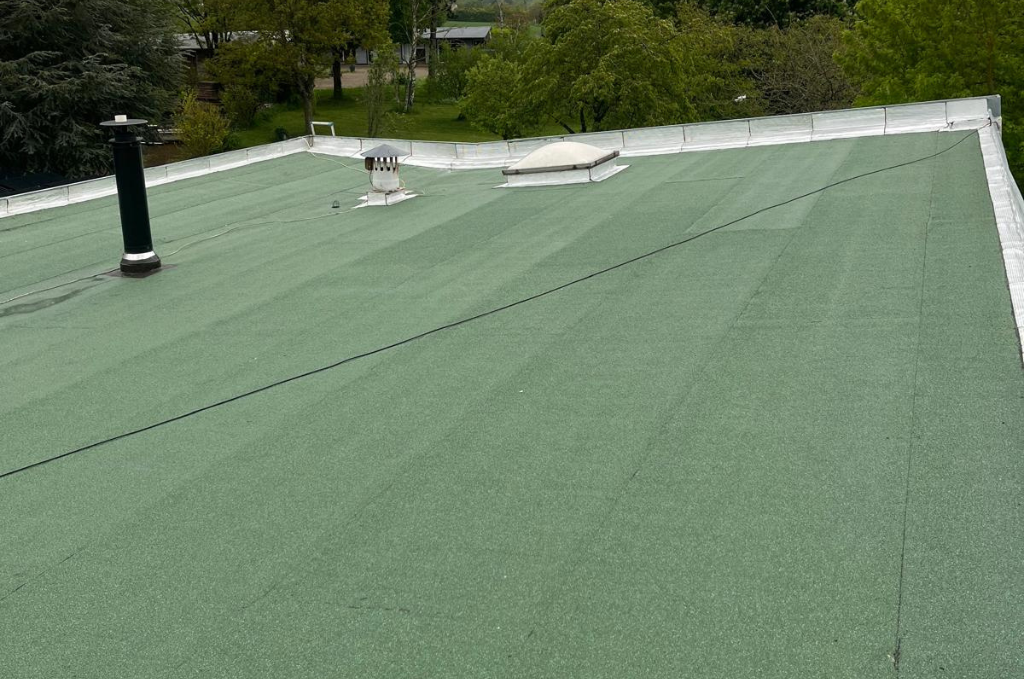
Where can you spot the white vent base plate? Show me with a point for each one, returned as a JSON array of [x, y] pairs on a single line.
[[375, 199]]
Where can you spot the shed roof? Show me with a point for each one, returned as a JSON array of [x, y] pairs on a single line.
[[462, 32]]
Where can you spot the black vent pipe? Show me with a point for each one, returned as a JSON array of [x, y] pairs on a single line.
[[139, 257]]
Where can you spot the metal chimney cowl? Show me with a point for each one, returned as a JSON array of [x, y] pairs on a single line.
[[382, 164]]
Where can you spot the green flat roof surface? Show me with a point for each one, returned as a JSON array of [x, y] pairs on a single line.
[[769, 452]]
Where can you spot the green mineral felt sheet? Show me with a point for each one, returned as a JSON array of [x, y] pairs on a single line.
[[784, 449]]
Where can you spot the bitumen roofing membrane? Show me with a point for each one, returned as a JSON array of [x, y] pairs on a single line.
[[790, 447]]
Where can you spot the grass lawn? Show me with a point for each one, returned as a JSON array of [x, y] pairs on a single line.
[[428, 121]]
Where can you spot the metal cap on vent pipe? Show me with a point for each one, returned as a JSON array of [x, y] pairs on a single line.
[[139, 257]]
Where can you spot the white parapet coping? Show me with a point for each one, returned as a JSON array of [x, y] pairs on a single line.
[[956, 114], [155, 176], [940, 116], [1008, 206]]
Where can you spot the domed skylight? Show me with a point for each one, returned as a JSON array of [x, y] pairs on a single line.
[[564, 162]]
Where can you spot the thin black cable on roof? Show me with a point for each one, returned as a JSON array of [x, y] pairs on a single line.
[[476, 317]]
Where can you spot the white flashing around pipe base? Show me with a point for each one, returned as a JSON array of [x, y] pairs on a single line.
[[381, 199], [1008, 206], [129, 257]]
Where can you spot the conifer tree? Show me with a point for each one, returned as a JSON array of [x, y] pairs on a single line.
[[66, 65]]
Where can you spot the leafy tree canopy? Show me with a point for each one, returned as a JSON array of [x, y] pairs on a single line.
[[607, 64], [793, 67], [210, 22], [760, 13], [495, 101], [66, 65], [409, 20], [358, 23], [918, 50], [780, 13], [295, 39]]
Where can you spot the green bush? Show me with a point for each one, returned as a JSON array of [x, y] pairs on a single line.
[[202, 128], [241, 105], [476, 14], [250, 66], [380, 81], [496, 101], [452, 73]]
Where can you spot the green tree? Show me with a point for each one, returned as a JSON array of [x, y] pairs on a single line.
[[778, 13], [251, 75], [439, 11], [918, 50], [607, 64], [201, 127], [210, 22], [379, 81], [66, 65], [451, 75], [296, 36], [761, 13], [512, 44], [498, 100], [794, 69], [663, 9], [354, 24], [490, 106], [716, 79], [409, 20]]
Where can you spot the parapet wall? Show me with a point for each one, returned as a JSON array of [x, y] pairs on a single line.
[[954, 114]]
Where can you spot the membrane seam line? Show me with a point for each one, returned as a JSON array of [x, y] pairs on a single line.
[[476, 317]]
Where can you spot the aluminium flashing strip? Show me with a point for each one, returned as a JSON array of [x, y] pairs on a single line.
[[956, 114], [155, 176], [1008, 206], [952, 115]]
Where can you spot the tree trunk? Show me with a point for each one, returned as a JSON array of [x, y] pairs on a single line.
[[432, 55], [307, 90], [410, 84], [414, 27], [336, 74]]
